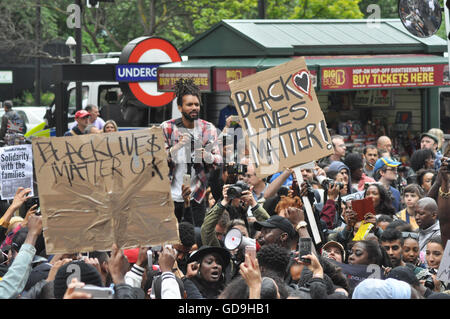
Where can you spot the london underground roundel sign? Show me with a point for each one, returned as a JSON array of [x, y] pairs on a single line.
[[138, 62]]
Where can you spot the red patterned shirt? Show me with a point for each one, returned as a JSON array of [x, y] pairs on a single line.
[[206, 133]]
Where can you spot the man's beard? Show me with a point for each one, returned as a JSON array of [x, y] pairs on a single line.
[[188, 117]]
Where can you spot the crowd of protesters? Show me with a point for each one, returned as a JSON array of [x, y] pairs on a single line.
[[240, 234]]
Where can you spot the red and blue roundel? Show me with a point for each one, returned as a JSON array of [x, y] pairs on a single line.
[[146, 51]]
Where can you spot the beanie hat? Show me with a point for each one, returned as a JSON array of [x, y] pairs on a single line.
[[86, 273], [131, 254]]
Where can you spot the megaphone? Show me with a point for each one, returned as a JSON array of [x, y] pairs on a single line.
[[234, 239]]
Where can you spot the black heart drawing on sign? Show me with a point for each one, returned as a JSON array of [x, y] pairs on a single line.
[[302, 81]]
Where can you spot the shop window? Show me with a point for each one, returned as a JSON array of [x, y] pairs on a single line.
[[350, 114]]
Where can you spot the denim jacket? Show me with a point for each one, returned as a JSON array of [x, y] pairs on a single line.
[[13, 283]]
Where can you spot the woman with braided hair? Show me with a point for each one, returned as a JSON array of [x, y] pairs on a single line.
[[191, 144]]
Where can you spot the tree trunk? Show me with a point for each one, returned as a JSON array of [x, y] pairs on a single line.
[[37, 70], [151, 29]]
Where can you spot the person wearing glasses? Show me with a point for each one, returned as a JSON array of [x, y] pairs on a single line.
[[339, 148], [385, 172], [258, 185], [411, 250]]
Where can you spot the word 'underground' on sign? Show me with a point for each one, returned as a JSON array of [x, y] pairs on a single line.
[[134, 73]]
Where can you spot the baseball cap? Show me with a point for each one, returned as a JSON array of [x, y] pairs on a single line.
[[432, 136], [385, 161], [276, 221], [81, 114], [335, 244]]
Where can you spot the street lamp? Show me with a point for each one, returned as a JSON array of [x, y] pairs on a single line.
[[71, 43]]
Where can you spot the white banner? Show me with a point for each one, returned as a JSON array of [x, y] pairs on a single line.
[[16, 163]]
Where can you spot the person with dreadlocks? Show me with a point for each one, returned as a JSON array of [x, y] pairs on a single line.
[[192, 149]]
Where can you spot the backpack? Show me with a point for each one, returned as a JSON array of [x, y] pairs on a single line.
[[15, 123], [15, 129]]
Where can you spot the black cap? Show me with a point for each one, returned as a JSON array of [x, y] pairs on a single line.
[[37, 274], [276, 221], [404, 273], [19, 238]]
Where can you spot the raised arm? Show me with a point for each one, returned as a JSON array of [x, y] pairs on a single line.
[[19, 198], [273, 187], [443, 201]]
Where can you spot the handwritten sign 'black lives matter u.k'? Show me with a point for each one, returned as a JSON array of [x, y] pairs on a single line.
[[100, 189], [281, 116]]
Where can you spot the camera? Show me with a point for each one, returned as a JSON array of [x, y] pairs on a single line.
[[28, 204], [283, 191], [429, 282], [236, 169], [233, 171], [327, 182], [235, 190]]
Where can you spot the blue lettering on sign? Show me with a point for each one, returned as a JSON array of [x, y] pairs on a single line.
[[136, 72]]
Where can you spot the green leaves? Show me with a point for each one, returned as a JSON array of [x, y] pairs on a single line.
[[327, 9], [111, 26]]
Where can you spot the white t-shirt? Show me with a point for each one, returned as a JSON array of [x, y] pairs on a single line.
[[178, 173]]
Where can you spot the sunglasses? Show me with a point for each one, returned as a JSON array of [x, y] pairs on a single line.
[[410, 235]]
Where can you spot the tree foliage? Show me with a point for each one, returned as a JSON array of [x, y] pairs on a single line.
[[111, 26], [327, 9]]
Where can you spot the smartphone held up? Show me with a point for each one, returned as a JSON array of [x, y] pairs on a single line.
[[304, 248]]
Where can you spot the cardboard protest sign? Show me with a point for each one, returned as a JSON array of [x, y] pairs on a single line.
[[444, 267], [281, 116], [16, 163], [100, 189]]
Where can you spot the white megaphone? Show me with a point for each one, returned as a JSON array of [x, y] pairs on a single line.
[[234, 239]]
